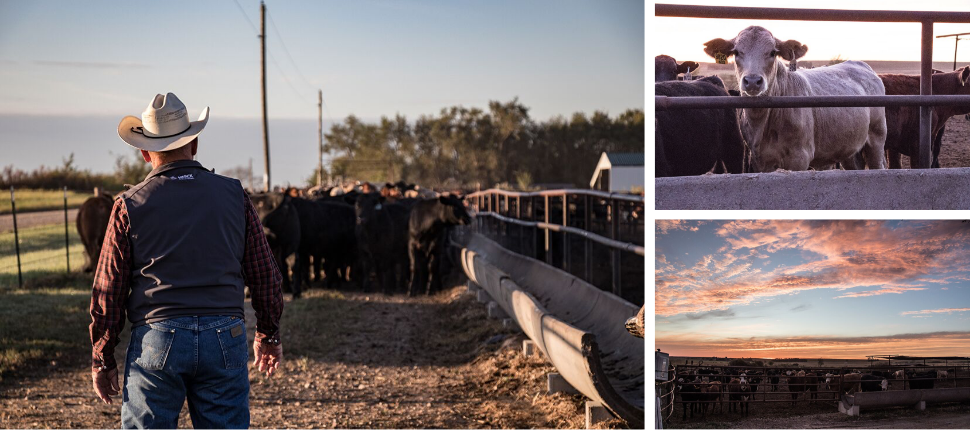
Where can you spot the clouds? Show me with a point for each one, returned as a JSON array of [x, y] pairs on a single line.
[[936, 311], [871, 257]]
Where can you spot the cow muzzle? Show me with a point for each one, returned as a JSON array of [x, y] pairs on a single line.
[[753, 85]]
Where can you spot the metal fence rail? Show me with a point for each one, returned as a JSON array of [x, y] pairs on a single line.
[[925, 18]]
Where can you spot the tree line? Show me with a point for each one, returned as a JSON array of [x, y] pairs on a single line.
[[467, 147]]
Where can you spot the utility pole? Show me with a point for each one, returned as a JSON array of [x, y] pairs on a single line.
[[262, 75], [956, 44], [320, 135]]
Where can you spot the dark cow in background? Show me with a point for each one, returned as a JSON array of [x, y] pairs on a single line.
[[697, 141], [903, 121], [667, 69], [800, 382], [921, 380], [281, 224], [92, 223], [739, 393], [382, 238], [426, 226], [327, 234]]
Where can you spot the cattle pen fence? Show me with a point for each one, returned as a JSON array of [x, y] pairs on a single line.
[[827, 381], [569, 229], [793, 185]]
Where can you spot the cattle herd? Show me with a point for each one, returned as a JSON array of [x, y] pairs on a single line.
[[394, 234], [699, 141], [706, 389]]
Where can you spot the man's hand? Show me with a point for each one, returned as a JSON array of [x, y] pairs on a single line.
[[268, 357], [105, 384]]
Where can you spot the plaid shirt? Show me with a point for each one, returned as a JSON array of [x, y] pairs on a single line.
[[112, 283]]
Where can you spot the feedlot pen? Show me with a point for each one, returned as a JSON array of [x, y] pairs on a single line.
[[776, 400]]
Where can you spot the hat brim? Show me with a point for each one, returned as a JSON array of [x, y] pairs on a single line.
[[159, 144]]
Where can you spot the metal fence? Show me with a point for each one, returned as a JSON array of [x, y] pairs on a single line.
[[569, 229], [925, 18], [37, 248]]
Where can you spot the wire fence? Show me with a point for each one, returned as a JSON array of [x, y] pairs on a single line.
[[40, 242]]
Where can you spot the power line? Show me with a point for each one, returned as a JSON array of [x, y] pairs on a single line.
[[287, 52], [251, 25], [287, 79]]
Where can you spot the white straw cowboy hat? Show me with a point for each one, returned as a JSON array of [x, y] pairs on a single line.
[[163, 126]]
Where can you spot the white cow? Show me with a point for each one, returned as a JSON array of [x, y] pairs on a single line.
[[799, 138]]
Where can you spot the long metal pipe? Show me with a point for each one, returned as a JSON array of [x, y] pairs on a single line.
[[571, 191], [786, 14], [673, 103], [623, 246]]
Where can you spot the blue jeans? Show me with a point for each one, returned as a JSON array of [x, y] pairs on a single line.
[[202, 358]]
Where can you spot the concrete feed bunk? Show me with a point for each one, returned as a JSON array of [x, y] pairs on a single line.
[[578, 327], [852, 404]]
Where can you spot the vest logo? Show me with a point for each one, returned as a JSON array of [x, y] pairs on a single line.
[[184, 177]]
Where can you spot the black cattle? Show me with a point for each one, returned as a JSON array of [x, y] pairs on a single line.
[[327, 234], [872, 382], [281, 224], [921, 380], [697, 141], [92, 223], [774, 378], [804, 382], [426, 225], [690, 395], [738, 395], [667, 69], [382, 239]]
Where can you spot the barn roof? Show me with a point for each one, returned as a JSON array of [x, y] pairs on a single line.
[[619, 159]]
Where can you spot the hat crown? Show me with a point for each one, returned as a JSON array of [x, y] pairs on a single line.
[[165, 116]]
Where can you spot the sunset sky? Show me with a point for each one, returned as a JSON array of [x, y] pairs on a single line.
[[683, 38], [808, 289]]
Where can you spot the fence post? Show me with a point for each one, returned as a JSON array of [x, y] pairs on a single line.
[[16, 237], [565, 235], [588, 244], [548, 234], [615, 253], [67, 241]]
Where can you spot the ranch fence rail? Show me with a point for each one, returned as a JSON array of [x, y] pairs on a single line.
[[925, 18], [570, 219], [23, 241], [836, 381]]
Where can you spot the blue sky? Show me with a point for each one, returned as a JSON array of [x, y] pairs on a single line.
[[104, 60], [841, 289], [371, 58]]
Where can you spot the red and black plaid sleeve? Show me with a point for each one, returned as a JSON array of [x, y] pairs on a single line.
[[112, 282], [262, 276]]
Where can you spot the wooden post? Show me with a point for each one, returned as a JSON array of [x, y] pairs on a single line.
[[16, 237], [262, 75], [320, 137], [67, 241]]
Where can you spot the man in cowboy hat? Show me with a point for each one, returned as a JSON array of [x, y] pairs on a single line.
[[179, 249]]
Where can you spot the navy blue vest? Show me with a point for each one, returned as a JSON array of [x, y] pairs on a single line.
[[187, 236]]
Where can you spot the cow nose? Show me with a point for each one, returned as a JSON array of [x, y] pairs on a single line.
[[752, 83]]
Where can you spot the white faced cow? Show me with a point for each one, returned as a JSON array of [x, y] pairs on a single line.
[[799, 138]]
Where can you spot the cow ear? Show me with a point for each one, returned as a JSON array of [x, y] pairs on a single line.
[[687, 66], [965, 76], [790, 49], [720, 49]]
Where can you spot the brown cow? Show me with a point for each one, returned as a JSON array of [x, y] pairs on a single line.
[[92, 222], [803, 382], [902, 122], [667, 69]]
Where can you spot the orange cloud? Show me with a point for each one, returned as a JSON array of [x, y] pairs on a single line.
[[839, 255]]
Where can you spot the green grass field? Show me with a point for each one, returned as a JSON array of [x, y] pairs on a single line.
[[41, 200], [41, 254]]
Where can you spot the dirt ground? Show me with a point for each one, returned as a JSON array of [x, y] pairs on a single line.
[[31, 219], [352, 360]]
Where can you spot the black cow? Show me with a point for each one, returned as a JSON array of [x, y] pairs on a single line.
[[872, 382], [281, 224], [803, 382], [697, 141], [92, 223], [426, 225], [690, 395], [327, 234], [667, 69], [921, 380], [382, 238]]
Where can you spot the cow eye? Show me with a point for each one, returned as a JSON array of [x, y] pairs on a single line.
[[772, 54]]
